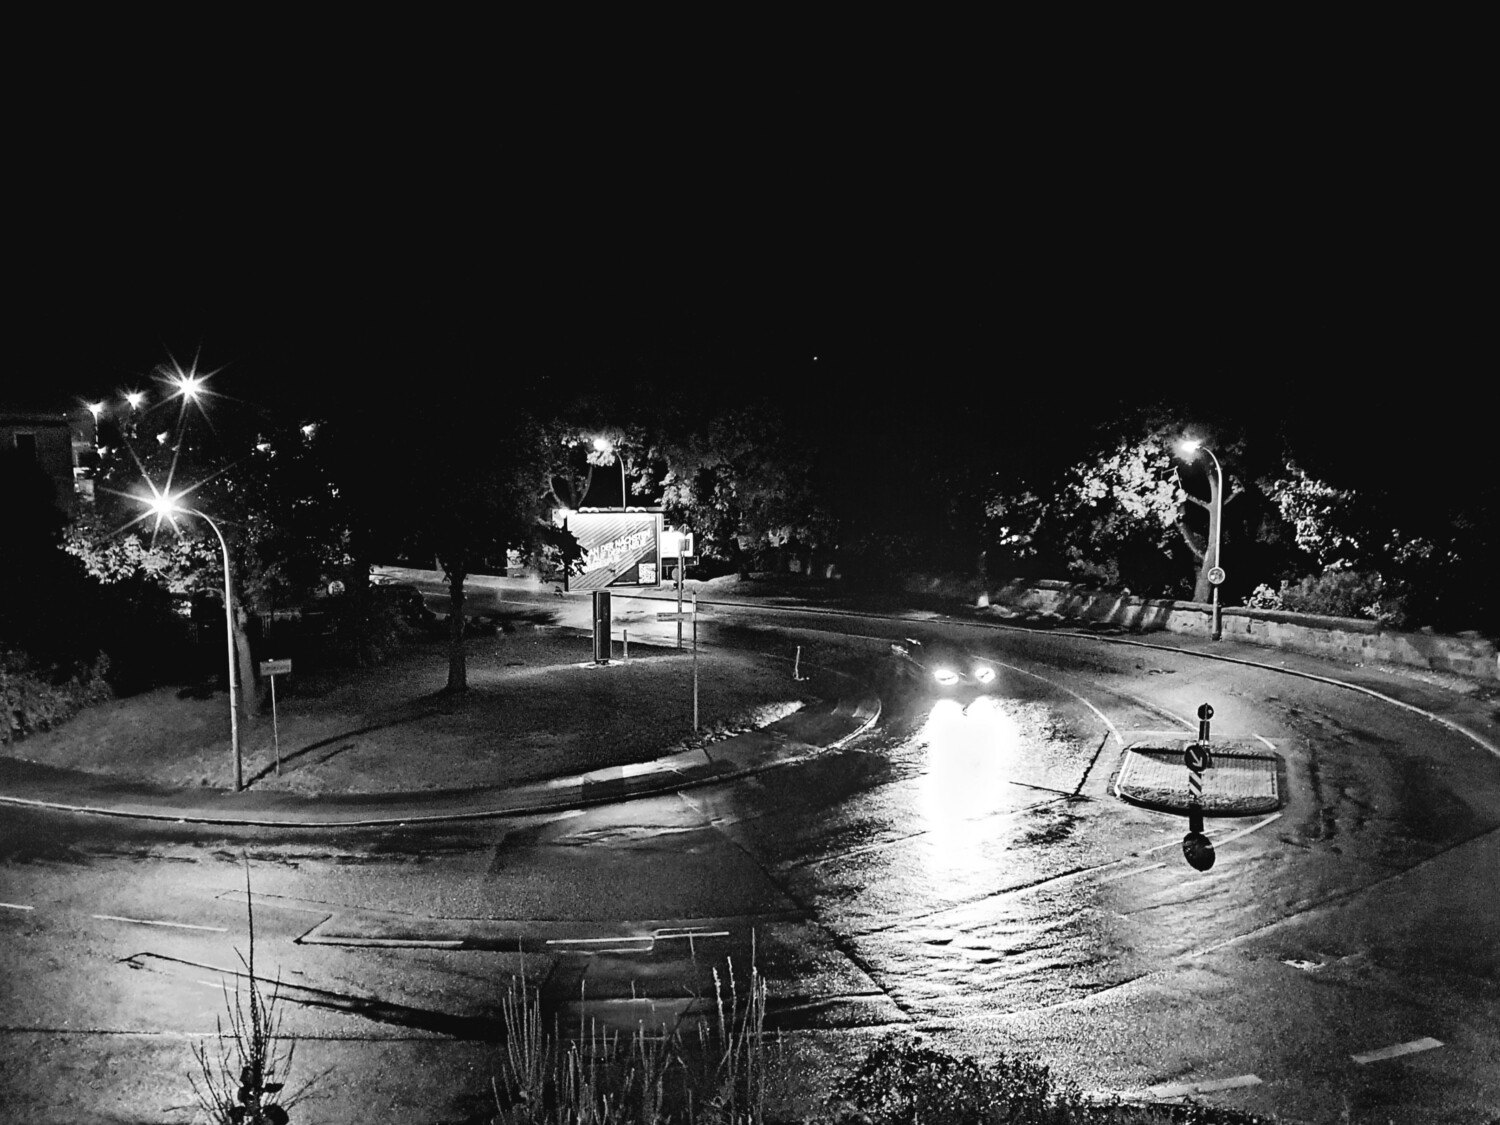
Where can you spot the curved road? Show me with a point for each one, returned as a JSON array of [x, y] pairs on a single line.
[[967, 873]]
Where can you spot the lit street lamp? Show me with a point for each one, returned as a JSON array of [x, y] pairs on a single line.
[[1216, 572], [165, 505], [604, 445]]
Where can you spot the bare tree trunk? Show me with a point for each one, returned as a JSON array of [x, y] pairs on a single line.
[[458, 672]]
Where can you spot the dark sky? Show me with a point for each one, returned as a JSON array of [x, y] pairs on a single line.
[[1394, 377], [1019, 279]]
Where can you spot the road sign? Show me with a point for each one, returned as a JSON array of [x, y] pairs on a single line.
[[685, 615], [677, 544], [274, 668], [1206, 711], [1215, 575], [1197, 757]]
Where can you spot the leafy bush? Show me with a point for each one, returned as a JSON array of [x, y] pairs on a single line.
[[902, 1082], [1337, 593], [35, 698]]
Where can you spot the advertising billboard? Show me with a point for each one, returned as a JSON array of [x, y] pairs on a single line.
[[621, 548]]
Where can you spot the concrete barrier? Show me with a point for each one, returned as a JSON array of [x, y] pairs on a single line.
[[1346, 639]]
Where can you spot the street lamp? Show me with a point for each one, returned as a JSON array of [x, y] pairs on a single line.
[[1216, 572], [165, 505], [604, 445]]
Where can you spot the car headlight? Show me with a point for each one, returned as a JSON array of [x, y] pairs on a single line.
[[984, 673], [945, 676]]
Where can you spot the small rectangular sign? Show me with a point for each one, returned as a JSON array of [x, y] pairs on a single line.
[[275, 667], [685, 615], [677, 544]]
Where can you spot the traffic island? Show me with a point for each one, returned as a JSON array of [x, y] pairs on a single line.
[[1243, 780]]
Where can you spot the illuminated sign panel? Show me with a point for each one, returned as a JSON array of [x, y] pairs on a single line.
[[622, 548]]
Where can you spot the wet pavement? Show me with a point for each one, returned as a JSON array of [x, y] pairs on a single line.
[[965, 869]]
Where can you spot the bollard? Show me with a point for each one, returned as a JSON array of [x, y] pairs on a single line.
[[625, 639]]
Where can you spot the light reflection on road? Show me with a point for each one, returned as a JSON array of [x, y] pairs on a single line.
[[970, 752]]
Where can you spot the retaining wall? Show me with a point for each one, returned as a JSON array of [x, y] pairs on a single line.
[[1351, 640]]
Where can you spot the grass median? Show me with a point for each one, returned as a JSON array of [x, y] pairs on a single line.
[[537, 707]]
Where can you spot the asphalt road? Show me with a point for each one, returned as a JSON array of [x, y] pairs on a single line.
[[966, 872]]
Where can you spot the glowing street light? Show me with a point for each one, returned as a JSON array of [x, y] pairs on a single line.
[[605, 446], [189, 385], [135, 398], [1216, 572], [165, 505]]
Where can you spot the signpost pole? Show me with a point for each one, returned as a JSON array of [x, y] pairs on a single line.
[[680, 561], [1197, 848], [272, 669], [695, 662], [275, 729]]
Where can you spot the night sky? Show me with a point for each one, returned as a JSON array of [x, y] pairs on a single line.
[[1315, 278]]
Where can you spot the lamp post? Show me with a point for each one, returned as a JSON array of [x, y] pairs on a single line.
[[604, 445], [167, 506], [1216, 572]]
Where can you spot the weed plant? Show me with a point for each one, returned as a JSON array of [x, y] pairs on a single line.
[[244, 1085]]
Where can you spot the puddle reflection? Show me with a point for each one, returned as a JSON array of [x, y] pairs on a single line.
[[971, 755]]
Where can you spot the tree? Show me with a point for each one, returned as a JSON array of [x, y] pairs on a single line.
[[464, 497], [743, 482]]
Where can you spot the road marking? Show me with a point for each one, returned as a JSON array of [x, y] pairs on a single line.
[[1226, 840], [310, 938], [1103, 718], [150, 922], [1246, 831], [1269, 744], [1397, 1051], [1132, 871], [1180, 1090], [15, 906]]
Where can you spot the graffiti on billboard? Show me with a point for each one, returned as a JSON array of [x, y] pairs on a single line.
[[622, 548]]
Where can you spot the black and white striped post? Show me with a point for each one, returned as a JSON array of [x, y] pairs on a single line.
[[1197, 849]]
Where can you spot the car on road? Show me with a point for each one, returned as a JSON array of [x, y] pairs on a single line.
[[942, 667]]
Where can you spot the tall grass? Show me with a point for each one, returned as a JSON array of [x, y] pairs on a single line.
[[726, 1070], [715, 1073]]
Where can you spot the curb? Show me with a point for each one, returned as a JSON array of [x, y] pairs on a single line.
[[1241, 782], [771, 746]]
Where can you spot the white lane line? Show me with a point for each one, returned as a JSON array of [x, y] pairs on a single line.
[[1246, 831], [1132, 871], [1226, 840], [1397, 1051], [1180, 1090], [1269, 744], [151, 922], [1103, 718], [15, 906]]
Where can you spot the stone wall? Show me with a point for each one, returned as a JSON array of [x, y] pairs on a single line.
[[1346, 639]]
